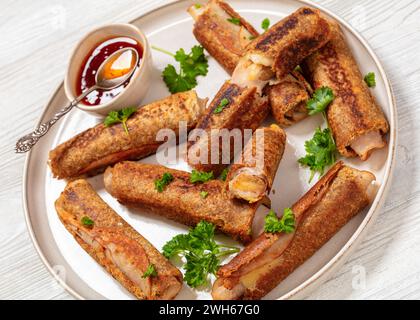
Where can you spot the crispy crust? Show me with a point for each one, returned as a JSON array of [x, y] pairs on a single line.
[[100, 146], [246, 110], [354, 111], [220, 37], [78, 200], [133, 185], [292, 39], [271, 141], [326, 208]]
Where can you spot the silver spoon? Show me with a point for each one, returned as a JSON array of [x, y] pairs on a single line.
[[26, 143]]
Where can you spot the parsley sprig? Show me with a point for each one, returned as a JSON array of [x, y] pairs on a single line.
[[235, 21], [223, 103], [161, 183], [224, 174], [204, 194], [201, 253], [150, 272], [321, 149], [87, 222], [370, 80], [192, 65], [200, 176], [265, 24], [120, 116], [321, 99], [274, 225], [320, 152]]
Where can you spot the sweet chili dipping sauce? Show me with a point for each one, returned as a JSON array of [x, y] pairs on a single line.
[[91, 65]]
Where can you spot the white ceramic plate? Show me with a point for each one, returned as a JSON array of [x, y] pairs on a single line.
[[170, 27]]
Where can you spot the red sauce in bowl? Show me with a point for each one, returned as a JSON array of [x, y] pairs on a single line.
[[94, 59]]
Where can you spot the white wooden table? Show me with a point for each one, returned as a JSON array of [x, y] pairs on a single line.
[[36, 40]]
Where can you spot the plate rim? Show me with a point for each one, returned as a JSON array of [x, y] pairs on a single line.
[[341, 256]]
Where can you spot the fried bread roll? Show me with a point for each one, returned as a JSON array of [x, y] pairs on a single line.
[[224, 40], [227, 43], [92, 150], [133, 184], [214, 150], [284, 46], [357, 122], [252, 177], [115, 245], [288, 99], [340, 195]]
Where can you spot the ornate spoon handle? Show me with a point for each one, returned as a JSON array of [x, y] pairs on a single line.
[[26, 143]]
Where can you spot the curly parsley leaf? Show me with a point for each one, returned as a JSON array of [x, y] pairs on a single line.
[[177, 82], [321, 99], [204, 194], [235, 21], [87, 222], [192, 65], [161, 183], [265, 24], [370, 80], [201, 252], [200, 176], [120, 116], [150, 271], [320, 152], [274, 225], [224, 174], [223, 103]]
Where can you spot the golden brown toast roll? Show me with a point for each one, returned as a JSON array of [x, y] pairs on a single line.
[[225, 41], [284, 45], [338, 196], [288, 99], [115, 245], [245, 110], [357, 122], [252, 177], [100, 146], [133, 184]]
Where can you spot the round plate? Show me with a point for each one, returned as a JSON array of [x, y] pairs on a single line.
[[170, 27]]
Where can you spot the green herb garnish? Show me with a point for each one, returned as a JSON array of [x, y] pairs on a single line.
[[370, 80], [265, 24], [223, 103], [286, 224], [198, 5], [120, 116], [321, 99], [251, 37], [200, 176], [87, 222], [320, 152], [234, 21], [204, 194], [299, 69], [192, 65], [201, 252], [150, 272], [161, 183], [224, 174]]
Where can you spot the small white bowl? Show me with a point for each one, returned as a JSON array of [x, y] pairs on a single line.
[[139, 83]]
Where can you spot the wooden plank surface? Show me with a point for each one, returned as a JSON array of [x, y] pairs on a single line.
[[36, 39]]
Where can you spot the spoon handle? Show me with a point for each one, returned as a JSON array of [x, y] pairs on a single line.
[[26, 143]]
